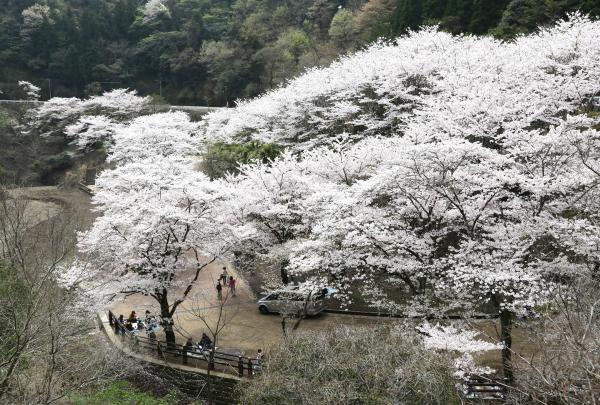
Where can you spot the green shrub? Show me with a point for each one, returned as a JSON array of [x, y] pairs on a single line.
[[48, 167], [224, 158]]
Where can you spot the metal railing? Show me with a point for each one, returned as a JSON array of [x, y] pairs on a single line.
[[484, 389], [179, 354]]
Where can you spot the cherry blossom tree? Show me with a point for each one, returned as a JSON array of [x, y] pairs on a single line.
[[71, 116], [457, 169], [155, 233], [34, 17], [464, 341], [31, 91], [154, 9], [433, 175]]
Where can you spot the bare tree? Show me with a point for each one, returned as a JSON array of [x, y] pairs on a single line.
[[215, 317], [48, 343], [341, 365], [564, 364]]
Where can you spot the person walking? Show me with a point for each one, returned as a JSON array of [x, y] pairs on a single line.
[[224, 276], [219, 291], [232, 286]]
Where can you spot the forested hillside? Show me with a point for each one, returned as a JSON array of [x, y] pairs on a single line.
[[216, 51]]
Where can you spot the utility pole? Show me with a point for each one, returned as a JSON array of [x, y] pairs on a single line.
[[49, 89]]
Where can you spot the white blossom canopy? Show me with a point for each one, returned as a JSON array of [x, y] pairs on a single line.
[[460, 167], [434, 173]]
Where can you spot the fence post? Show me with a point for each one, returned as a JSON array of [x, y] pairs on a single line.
[[211, 359], [240, 366], [136, 343], [249, 368]]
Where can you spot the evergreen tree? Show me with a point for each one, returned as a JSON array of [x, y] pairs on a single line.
[[457, 15], [79, 43], [409, 14], [486, 15]]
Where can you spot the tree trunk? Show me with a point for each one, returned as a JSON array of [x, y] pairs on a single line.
[[506, 322], [284, 273], [211, 362], [284, 276], [167, 322]]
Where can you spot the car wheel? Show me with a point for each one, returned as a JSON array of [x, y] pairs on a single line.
[[263, 310]]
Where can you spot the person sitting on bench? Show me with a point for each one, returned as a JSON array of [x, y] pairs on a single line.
[[205, 343]]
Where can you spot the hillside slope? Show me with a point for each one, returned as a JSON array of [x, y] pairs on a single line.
[[409, 87]]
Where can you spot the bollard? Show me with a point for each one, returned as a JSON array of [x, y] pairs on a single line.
[[184, 356], [110, 318], [249, 368], [159, 349]]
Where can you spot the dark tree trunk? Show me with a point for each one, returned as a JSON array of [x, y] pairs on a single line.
[[284, 276], [209, 368], [506, 322], [284, 273], [167, 322]]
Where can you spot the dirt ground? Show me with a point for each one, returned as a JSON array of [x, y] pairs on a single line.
[[245, 328], [44, 202]]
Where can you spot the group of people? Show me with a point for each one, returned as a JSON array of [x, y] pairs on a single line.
[[134, 324], [225, 280], [206, 344], [203, 345]]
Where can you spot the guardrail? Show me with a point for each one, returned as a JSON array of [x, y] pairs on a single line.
[[83, 187], [404, 316], [189, 356], [191, 108]]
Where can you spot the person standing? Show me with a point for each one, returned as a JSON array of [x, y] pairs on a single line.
[[120, 325], [187, 348], [258, 361], [232, 286], [219, 291], [224, 276]]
